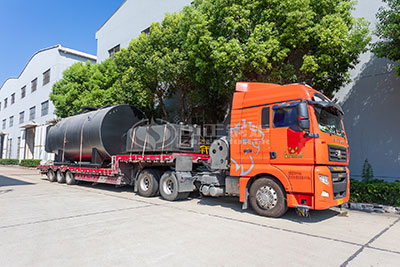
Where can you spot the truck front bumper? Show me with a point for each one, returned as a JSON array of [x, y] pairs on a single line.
[[332, 186]]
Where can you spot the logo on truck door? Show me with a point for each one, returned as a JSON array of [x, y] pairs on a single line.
[[251, 144]]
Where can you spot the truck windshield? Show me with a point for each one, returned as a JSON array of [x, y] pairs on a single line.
[[328, 121]]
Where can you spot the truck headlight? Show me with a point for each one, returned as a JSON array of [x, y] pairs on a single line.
[[324, 194], [324, 179]]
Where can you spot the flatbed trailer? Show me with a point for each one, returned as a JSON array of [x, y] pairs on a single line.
[[124, 169]]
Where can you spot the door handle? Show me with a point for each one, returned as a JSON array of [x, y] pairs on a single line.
[[247, 150], [272, 155]]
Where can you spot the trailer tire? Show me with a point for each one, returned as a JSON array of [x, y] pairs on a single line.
[[268, 198], [51, 175], [148, 183], [169, 187], [70, 178], [60, 176]]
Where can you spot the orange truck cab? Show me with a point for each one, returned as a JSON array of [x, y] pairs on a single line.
[[288, 147]]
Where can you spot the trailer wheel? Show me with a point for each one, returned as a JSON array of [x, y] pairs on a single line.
[[148, 183], [51, 176], [60, 176], [169, 186], [70, 178], [267, 198]]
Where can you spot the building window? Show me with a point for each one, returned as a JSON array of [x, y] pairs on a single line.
[[23, 92], [11, 122], [45, 108], [32, 112], [114, 50], [46, 77], [34, 83], [21, 117], [4, 124], [5, 102], [13, 98]]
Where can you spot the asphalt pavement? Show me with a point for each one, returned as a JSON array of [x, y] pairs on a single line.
[[51, 224]]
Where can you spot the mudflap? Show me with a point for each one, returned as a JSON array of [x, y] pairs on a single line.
[[303, 210]]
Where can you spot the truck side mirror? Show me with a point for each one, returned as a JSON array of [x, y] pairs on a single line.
[[302, 116]]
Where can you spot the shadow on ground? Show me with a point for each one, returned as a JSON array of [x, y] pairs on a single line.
[[234, 204], [7, 181], [226, 202]]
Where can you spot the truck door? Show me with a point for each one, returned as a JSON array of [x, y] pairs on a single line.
[[252, 136], [292, 152]]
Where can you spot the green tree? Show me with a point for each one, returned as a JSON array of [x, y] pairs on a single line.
[[388, 31], [198, 55], [84, 84], [367, 172], [279, 41]]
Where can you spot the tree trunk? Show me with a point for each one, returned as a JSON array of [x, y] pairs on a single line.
[[163, 110]]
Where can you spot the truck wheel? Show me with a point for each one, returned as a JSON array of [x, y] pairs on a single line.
[[147, 183], [267, 198], [51, 175], [70, 178], [60, 176], [169, 187]]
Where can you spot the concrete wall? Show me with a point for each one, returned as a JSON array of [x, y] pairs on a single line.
[[55, 58], [371, 105], [130, 20]]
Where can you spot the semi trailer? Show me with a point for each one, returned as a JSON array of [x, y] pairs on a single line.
[[285, 147]]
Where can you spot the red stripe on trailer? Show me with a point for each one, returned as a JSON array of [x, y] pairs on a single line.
[[98, 179], [124, 158], [78, 169]]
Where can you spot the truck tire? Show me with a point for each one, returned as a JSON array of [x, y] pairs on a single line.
[[169, 187], [148, 183], [70, 178], [60, 176], [268, 198], [51, 175]]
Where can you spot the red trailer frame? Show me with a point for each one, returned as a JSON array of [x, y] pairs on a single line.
[[114, 175]]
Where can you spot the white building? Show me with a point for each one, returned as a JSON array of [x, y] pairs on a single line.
[[129, 20], [25, 108]]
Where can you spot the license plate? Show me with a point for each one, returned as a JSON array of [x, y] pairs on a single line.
[[340, 201]]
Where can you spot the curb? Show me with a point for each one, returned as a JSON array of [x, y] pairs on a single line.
[[372, 208]]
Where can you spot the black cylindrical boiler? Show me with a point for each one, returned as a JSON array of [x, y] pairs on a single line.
[[99, 132]]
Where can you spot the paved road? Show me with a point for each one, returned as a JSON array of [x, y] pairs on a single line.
[[50, 224]]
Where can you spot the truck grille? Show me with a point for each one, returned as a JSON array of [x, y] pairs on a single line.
[[337, 154], [339, 181]]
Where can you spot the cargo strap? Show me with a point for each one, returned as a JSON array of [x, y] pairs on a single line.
[[145, 141], [163, 141], [133, 141], [65, 141], [81, 141]]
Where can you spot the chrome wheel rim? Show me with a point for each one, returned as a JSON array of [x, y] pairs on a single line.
[[145, 184], [267, 198], [168, 186]]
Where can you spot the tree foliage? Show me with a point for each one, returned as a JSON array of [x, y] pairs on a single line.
[[84, 84], [388, 30], [367, 172], [198, 54]]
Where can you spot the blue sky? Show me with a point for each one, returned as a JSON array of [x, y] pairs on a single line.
[[28, 26]]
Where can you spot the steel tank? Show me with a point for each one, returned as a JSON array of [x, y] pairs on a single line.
[[98, 132]]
